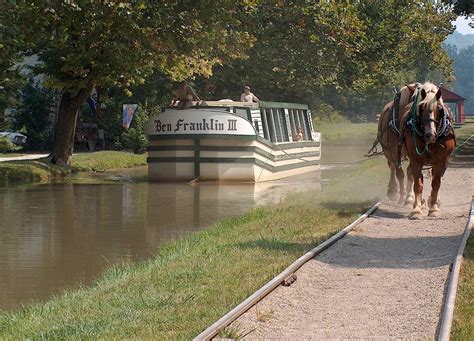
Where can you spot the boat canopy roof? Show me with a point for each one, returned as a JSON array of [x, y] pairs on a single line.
[[262, 104]]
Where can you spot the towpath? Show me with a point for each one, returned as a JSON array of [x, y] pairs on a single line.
[[384, 280]]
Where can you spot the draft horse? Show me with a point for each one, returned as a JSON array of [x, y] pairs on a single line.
[[428, 137], [388, 136]]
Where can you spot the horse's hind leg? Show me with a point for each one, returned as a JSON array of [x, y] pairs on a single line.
[[401, 183], [433, 200], [410, 198], [392, 190]]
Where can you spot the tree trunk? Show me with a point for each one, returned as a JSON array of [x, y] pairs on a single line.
[[66, 126]]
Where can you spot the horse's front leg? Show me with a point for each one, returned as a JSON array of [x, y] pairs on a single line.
[[392, 190], [410, 198], [417, 212], [433, 200]]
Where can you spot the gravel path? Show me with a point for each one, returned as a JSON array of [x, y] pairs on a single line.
[[23, 157], [385, 280]]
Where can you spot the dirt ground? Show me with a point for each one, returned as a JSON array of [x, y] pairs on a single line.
[[385, 280]]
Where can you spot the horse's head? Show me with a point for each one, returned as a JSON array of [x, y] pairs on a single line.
[[430, 111]]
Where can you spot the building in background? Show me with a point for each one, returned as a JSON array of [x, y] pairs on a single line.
[[456, 103]]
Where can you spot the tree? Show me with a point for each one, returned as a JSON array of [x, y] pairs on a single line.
[[82, 43], [464, 71], [34, 115], [462, 7], [348, 54], [10, 78]]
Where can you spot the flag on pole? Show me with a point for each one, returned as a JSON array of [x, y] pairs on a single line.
[[94, 103], [128, 112]]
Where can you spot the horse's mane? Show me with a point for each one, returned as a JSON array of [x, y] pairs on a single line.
[[430, 100]]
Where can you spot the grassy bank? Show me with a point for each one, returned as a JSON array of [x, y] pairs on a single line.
[[346, 130], [42, 170], [193, 281], [463, 323]]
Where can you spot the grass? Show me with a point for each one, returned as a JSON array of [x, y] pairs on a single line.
[[463, 323], [193, 281], [42, 171], [346, 130]]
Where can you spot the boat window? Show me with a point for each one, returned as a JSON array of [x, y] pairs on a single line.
[[271, 124], [307, 129], [257, 129], [299, 118]]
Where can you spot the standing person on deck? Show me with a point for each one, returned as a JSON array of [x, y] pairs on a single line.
[[247, 96], [185, 95]]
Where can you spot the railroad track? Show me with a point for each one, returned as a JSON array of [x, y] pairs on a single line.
[[288, 276], [463, 157], [285, 277]]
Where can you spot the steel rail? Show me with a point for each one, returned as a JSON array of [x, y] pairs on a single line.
[[232, 315], [448, 311]]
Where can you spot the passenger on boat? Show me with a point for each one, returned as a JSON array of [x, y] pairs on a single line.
[[299, 135], [247, 96], [185, 95]]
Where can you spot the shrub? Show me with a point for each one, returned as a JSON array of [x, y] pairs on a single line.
[[324, 112], [6, 146]]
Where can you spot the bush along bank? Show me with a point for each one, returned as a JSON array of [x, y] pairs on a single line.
[[193, 281], [42, 171]]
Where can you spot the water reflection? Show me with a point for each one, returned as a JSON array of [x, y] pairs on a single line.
[[55, 236]]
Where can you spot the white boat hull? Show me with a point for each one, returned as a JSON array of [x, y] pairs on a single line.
[[229, 158]]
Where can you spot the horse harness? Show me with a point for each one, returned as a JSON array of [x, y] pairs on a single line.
[[413, 122]]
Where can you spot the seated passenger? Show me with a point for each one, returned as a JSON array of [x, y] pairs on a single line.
[[299, 135], [247, 96], [185, 95]]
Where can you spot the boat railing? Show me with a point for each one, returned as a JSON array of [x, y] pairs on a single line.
[[278, 122]]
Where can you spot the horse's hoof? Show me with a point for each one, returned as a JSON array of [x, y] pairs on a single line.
[[434, 211], [401, 200], [434, 214], [416, 216], [416, 213]]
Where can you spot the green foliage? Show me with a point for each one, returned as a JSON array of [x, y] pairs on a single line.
[[462, 7], [324, 112], [34, 116], [347, 54], [10, 43], [109, 43], [135, 138], [6, 146], [81, 43], [464, 71]]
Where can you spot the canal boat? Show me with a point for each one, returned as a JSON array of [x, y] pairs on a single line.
[[232, 141]]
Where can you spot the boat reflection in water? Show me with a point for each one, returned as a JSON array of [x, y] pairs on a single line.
[[57, 236]]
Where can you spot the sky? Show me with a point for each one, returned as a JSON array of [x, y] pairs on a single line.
[[462, 26]]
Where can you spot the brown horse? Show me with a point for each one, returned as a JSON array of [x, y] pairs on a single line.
[[429, 140], [388, 136]]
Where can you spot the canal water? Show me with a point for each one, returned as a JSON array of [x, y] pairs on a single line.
[[57, 236]]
